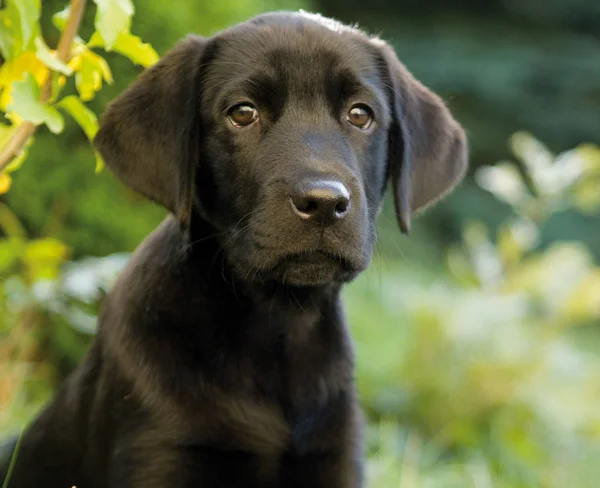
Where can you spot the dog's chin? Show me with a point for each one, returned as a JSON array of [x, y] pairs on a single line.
[[311, 269]]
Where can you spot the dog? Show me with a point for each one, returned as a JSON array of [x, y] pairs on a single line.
[[223, 357]]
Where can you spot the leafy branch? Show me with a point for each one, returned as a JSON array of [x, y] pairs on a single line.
[[33, 75], [27, 129]]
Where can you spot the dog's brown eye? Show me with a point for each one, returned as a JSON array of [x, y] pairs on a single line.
[[360, 116], [243, 115]]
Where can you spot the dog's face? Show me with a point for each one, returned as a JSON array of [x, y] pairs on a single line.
[[296, 120], [281, 133]]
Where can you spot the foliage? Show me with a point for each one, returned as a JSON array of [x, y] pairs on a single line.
[[478, 367], [33, 76], [481, 379], [33, 81]]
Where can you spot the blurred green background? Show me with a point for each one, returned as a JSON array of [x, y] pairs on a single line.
[[478, 337]]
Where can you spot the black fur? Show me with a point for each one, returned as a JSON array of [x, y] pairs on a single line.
[[223, 357]]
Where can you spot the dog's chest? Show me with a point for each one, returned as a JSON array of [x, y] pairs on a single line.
[[264, 450]]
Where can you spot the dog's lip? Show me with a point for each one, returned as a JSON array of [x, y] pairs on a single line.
[[315, 257]]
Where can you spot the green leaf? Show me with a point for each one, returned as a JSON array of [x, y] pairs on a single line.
[[44, 54], [26, 103], [59, 19], [29, 11], [96, 40], [10, 31], [113, 17], [18, 26], [137, 51], [9, 254], [10, 224], [99, 162], [129, 46], [86, 119]]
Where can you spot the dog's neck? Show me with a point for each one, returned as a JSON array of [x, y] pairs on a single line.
[[174, 299]]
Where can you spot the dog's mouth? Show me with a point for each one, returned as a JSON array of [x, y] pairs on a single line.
[[312, 268]]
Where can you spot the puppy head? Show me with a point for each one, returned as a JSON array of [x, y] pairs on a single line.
[[281, 133]]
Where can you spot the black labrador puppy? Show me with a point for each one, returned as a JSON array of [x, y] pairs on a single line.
[[222, 357]]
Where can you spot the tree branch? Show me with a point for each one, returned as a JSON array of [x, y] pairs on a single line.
[[27, 129]]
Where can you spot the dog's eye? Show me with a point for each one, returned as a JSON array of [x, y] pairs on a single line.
[[360, 116], [242, 115]]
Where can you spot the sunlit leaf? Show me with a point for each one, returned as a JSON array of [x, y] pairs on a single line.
[[504, 181], [129, 46], [5, 182], [47, 249], [26, 103], [58, 83], [43, 257], [59, 19], [18, 26], [86, 119], [15, 70], [17, 161], [6, 132], [113, 17], [49, 58], [11, 38], [29, 15], [99, 162], [550, 175], [91, 70]]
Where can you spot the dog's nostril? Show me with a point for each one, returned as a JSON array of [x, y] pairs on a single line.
[[305, 205], [342, 206], [323, 201]]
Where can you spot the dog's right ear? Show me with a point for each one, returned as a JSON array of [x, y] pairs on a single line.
[[150, 135]]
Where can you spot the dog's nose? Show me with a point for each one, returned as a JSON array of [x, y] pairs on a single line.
[[322, 201]]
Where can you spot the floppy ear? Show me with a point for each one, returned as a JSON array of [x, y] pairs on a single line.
[[149, 136], [428, 153]]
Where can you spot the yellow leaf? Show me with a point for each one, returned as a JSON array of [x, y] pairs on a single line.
[[15, 70], [5, 182], [43, 258], [129, 46], [91, 70], [17, 161]]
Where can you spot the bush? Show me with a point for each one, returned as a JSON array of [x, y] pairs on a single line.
[[480, 378]]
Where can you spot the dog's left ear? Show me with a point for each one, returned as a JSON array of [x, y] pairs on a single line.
[[150, 135], [428, 151]]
